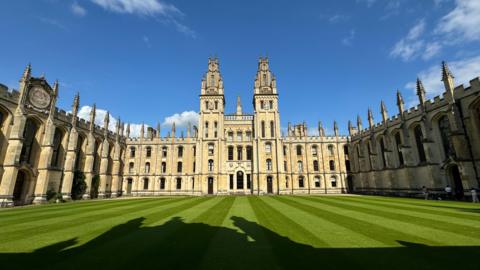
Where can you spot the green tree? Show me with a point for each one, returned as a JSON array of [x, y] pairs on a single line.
[[79, 186]]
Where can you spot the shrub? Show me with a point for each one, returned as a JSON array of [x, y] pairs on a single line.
[[94, 187], [79, 186]]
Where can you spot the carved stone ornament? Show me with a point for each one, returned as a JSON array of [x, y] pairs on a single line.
[[39, 98]]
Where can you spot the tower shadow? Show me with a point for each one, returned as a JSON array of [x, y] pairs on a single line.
[[179, 245]]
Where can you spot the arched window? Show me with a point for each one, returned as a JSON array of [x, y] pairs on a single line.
[[314, 150], [230, 153], [212, 80], [211, 149], [210, 165], [215, 129], [216, 105], [230, 136], [269, 164], [285, 167], [164, 167], [317, 182], [180, 151], [248, 135], [179, 183], [194, 150], [331, 164], [263, 129], [270, 104], [179, 166], [145, 183], [268, 148], [300, 166], [301, 181], [331, 150], [239, 136], [333, 181], [147, 167], [272, 129], [131, 167], [249, 153], [285, 150], [79, 160], [445, 133], [162, 183], [239, 153], [315, 165], [398, 142], [345, 150], [262, 106], [29, 133], [299, 150], [57, 144], [132, 152], [149, 151], [417, 131], [286, 182], [206, 129], [383, 152], [164, 151]]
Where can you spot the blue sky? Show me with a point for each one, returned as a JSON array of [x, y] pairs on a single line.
[[143, 59]]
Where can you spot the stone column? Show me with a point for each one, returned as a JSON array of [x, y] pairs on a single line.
[[89, 164], [103, 168], [116, 177], [46, 152], [69, 168]]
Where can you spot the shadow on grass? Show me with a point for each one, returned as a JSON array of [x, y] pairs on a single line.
[[180, 245]]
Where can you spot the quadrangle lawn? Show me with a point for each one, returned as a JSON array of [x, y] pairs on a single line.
[[250, 232]]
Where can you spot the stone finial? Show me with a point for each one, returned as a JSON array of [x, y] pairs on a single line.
[[400, 102], [53, 102], [359, 123], [189, 130], [420, 92], [158, 130], [142, 130], [321, 130], [128, 131], [384, 111], [446, 74], [335, 128], [93, 113], [26, 73], [447, 79], [75, 105], [106, 122], [239, 106], [350, 128], [122, 129], [370, 118]]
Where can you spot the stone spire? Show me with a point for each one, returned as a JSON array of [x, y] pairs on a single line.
[[54, 99], [128, 131], [122, 129], [447, 79], [350, 128], [158, 130], [142, 130], [239, 106], [117, 129], [26, 73], [370, 118], [93, 113], [173, 130], [321, 130], [265, 82], [420, 92], [335, 128], [106, 121], [189, 129], [384, 111], [400, 102], [212, 82], [359, 123], [76, 103]]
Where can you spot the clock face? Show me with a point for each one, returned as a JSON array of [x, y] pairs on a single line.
[[39, 98]]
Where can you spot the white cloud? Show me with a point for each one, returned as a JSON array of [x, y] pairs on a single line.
[[53, 23], [337, 18], [369, 3], [463, 21], [146, 40], [464, 70], [431, 49], [78, 10], [139, 7], [347, 41], [410, 46], [181, 119]]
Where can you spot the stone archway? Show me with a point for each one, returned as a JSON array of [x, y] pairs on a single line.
[[21, 188], [456, 181]]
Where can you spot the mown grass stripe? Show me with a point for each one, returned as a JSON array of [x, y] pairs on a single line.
[[73, 224], [426, 235], [431, 221], [329, 232], [55, 213], [371, 227], [39, 226]]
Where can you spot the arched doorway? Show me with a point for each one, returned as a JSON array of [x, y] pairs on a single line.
[[456, 181], [350, 186], [269, 185], [129, 186], [210, 185], [21, 188], [239, 180]]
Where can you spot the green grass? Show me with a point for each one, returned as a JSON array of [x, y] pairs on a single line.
[[283, 232]]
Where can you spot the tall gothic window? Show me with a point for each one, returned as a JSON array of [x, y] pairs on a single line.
[[211, 148], [331, 164], [147, 167], [272, 129], [210, 165], [180, 151], [230, 153], [300, 166], [179, 183], [145, 183], [417, 131], [314, 150], [268, 148], [331, 150], [131, 166], [239, 153], [149, 151], [249, 153], [132, 152], [333, 181], [299, 150], [215, 129], [445, 133], [316, 180], [382, 150], [164, 167], [164, 151], [206, 129], [301, 182], [179, 166], [263, 129], [269, 164], [216, 105], [315, 165], [28, 141], [398, 142], [162, 183], [57, 144]]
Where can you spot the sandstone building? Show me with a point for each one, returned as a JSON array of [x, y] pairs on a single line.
[[42, 148], [432, 145]]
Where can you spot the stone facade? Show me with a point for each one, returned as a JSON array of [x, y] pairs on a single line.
[[432, 145], [42, 147]]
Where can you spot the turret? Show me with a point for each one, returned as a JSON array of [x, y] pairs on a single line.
[[370, 118], [265, 82], [158, 130], [400, 103], [212, 82], [420, 92], [384, 111], [335, 128], [447, 79], [142, 130], [93, 113], [359, 123], [239, 106]]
